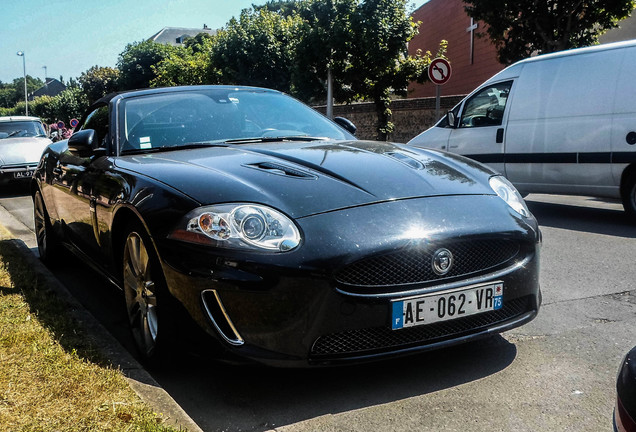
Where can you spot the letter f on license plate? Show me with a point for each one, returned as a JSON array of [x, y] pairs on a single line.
[[459, 303]]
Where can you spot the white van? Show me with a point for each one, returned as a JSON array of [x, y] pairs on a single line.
[[562, 123]]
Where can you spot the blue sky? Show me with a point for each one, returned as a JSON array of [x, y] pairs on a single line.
[[70, 36]]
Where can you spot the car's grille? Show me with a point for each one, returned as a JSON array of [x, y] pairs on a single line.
[[18, 167], [413, 265], [383, 339]]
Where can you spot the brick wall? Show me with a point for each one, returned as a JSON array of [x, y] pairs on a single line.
[[410, 116], [446, 19]]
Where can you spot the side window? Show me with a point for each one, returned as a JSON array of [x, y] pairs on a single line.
[[98, 120], [486, 108]]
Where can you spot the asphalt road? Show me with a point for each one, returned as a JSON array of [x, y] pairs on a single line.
[[556, 373]]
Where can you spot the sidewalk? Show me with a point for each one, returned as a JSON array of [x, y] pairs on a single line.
[[138, 378]]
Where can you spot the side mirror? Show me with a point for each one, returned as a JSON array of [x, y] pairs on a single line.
[[83, 144], [450, 119], [346, 124]]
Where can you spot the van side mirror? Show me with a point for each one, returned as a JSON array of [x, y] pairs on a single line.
[[450, 119], [346, 124]]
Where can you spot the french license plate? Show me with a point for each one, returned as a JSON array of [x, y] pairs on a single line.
[[22, 174], [459, 303]]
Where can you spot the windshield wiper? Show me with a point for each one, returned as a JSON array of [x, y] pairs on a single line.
[[274, 139], [174, 147]]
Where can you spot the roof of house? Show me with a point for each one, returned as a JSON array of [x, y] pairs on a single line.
[[176, 35], [51, 87]]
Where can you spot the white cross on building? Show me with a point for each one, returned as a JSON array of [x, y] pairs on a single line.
[[471, 28]]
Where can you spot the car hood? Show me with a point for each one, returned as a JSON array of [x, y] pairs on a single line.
[[307, 178], [15, 151]]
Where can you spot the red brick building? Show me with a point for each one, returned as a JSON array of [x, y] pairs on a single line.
[[473, 59]]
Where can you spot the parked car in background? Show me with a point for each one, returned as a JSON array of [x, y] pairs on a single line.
[[561, 123], [22, 141], [284, 238], [625, 410]]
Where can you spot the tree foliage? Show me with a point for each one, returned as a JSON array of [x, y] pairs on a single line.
[[136, 63], [188, 65], [524, 27], [98, 81], [381, 64], [326, 41], [13, 93], [71, 103], [257, 49]]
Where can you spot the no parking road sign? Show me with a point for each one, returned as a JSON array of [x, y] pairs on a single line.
[[439, 71]]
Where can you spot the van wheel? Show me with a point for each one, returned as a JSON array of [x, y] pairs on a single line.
[[629, 196]]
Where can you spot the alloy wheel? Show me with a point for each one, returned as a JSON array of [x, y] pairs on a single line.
[[140, 293]]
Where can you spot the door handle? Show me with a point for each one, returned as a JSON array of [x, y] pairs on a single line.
[[500, 135]]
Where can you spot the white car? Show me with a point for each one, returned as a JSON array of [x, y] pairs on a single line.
[[22, 141]]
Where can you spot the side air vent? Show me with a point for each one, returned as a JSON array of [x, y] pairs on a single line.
[[219, 318], [280, 169]]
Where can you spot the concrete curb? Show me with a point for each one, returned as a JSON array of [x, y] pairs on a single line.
[[138, 378]]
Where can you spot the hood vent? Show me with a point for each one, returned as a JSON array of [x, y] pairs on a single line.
[[407, 160], [283, 170]]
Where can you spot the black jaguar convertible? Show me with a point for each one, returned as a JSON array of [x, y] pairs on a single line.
[[279, 234]]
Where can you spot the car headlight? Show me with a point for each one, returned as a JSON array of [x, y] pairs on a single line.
[[507, 192], [239, 226]]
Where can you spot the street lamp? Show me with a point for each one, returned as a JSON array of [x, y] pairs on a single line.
[[26, 99]]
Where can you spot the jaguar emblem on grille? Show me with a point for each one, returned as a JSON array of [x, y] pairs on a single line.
[[442, 261]]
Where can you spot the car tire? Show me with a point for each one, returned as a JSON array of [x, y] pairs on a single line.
[[148, 303], [49, 246], [629, 195]]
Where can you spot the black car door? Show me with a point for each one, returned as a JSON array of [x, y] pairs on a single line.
[[74, 181]]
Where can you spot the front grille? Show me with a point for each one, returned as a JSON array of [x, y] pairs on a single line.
[[413, 265], [383, 339], [18, 167]]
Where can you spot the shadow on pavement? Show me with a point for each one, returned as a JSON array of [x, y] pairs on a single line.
[[598, 220], [12, 190], [233, 398]]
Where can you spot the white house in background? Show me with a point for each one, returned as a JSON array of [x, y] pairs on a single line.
[[177, 35]]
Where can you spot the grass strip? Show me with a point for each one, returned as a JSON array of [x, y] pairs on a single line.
[[52, 376]]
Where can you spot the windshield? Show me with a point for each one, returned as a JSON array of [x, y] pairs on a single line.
[[15, 129], [181, 119]]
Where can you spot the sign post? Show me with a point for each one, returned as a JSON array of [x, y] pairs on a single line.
[[439, 71]]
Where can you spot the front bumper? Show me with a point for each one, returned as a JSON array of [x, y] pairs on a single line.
[[296, 309], [18, 172]]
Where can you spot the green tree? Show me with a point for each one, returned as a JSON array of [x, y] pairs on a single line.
[[284, 7], [8, 95], [41, 107], [13, 93], [71, 103], [98, 81], [188, 65], [257, 49], [381, 65], [524, 27], [136, 63], [326, 42]]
